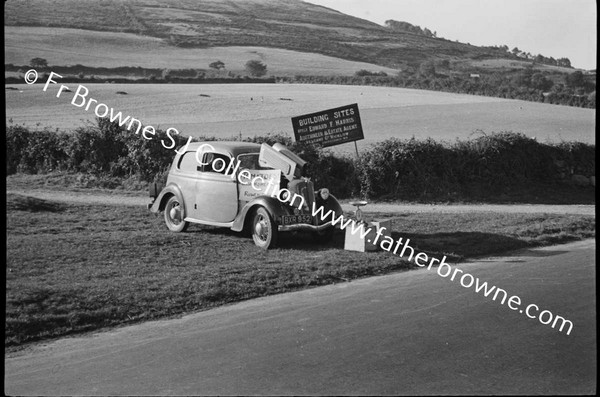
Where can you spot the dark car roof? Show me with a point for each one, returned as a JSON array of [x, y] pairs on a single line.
[[232, 147]]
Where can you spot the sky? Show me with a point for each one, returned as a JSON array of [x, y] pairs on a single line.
[[553, 28]]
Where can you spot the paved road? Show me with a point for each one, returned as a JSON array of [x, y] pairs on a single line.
[[407, 333]]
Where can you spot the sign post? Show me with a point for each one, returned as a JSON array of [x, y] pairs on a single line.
[[329, 127]]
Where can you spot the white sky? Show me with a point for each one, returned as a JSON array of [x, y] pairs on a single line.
[[553, 28]]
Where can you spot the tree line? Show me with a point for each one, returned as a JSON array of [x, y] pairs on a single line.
[[571, 89]]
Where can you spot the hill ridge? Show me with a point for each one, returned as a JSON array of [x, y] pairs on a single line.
[[288, 24]]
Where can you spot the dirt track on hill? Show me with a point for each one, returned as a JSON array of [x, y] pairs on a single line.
[[133, 199]]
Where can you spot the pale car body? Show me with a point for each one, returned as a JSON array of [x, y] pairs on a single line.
[[225, 184]]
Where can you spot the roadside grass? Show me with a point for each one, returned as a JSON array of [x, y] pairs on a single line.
[[75, 268], [72, 181], [461, 236]]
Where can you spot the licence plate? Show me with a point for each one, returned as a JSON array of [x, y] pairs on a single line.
[[293, 219]]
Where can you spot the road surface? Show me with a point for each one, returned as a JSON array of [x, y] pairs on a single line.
[[406, 333]]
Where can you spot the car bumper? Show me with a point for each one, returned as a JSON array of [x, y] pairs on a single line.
[[304, 227]]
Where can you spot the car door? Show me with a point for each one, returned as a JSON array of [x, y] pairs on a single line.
[[216, 195]]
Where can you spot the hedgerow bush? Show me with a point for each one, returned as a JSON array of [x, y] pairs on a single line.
[[35, 151], [394, 169], [405, 168], [495, 163], [105, 149]]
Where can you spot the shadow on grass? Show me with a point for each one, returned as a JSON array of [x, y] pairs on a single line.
[[456, 246], [18, 202], [460, 245], [286, 240]]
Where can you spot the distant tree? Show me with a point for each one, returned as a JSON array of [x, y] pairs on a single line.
[[401, 26], [523, 78], [564, 62], [444, 64], [38, 63], [256, 68], [516, 51], [217, 65], [540, 82], [592, 99], [575, 79], [427, 68]]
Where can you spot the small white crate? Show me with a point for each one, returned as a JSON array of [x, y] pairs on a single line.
[[353, 242]]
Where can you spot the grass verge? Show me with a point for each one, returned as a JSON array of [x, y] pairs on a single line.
[[74, 268]]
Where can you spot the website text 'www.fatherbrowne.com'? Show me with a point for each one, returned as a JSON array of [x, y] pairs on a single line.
[[444, 270]]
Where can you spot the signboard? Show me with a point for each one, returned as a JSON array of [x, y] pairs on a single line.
[[329, 127], [258, 184]]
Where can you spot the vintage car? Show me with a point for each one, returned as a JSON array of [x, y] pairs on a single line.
[[245, 187]]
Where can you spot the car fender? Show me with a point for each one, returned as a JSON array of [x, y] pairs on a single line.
[[334, 204], [161, 201], [272, 204]]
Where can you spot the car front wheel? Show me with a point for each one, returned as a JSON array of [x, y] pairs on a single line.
[[264, 229], [174, 215]]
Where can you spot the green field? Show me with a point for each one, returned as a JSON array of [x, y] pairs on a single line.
[[112, 49], [79, 267], [257, 109]]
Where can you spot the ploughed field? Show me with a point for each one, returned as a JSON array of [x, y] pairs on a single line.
[[255, 109]]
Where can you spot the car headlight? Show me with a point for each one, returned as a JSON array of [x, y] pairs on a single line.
[[324, 193]]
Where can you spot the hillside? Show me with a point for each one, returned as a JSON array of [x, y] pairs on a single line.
[[179, 41], [285, 24], [115, 49]]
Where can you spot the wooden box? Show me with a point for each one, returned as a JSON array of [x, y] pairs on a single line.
[[353, 242]]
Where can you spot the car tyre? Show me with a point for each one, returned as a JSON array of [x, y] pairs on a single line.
[[264, 229], [174, 215]]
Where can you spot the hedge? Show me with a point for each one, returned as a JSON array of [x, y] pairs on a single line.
[[393, 169]]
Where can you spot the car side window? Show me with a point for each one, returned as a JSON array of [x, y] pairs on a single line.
[[250, 161], [214, 162]]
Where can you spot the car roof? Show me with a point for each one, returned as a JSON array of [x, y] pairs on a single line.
[[232, 147]]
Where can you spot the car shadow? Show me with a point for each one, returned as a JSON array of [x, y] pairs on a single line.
[[287, 240], [458, 245], [306, 242]]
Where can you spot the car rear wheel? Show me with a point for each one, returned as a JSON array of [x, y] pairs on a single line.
[[264, 229], [174, 215]]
